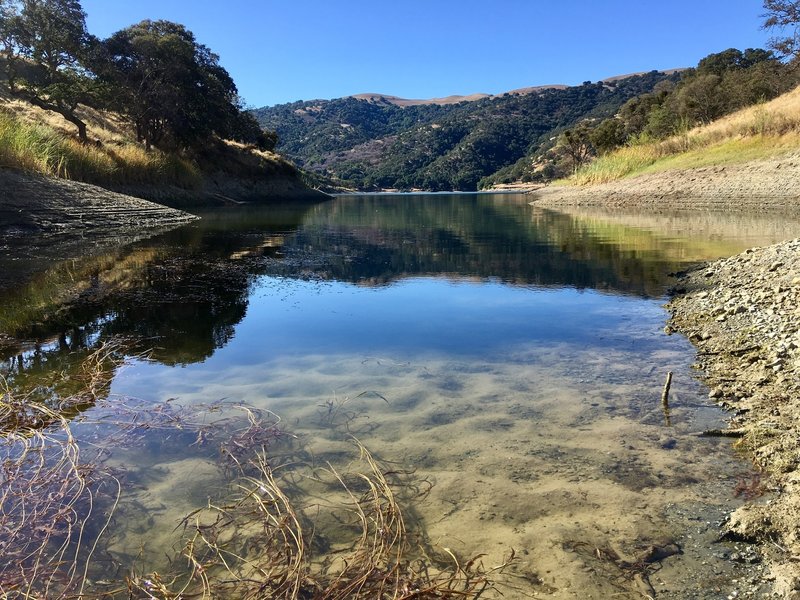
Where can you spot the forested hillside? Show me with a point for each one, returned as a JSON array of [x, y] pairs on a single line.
[[371, 144], [374, 143]]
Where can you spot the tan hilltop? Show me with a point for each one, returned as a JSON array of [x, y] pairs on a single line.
[[455, 99], [397, 101]]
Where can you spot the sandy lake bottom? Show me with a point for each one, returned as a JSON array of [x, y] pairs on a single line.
[[540, 428], [506, 362]]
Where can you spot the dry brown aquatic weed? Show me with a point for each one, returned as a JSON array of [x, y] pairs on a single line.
[[56, 497], [264, 545], [55, 506], [286, 529]]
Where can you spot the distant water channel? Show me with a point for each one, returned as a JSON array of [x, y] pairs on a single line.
[[509, 359]]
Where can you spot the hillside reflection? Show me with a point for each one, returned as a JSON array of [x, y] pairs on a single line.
[[181, 295]]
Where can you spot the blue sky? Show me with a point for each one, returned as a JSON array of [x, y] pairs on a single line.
[[284, 50]]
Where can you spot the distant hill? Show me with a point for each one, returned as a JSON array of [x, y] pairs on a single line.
[[376, 141], [385, 99]]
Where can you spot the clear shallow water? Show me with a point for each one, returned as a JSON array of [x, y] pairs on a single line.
[[513, 356]]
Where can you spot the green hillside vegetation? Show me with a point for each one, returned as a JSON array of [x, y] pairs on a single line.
[[665, 122], [372, 144], [764, 130], [147, 106]]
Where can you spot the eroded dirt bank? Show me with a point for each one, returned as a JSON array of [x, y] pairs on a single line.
[[221, 190], [43, 219], [33, 204], [743, 315], [747, 186]]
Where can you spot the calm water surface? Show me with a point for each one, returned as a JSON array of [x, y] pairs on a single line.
[[512, 356]]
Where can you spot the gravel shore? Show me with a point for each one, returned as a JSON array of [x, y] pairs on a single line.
[[743, 315]]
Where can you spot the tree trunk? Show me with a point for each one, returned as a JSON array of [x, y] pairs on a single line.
[[72, 118], [64, 112]]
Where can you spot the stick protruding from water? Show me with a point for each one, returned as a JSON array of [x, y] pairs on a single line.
[[665, 393], [665, 399]]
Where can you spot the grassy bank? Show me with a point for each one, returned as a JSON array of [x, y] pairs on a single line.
[[39, 148], [42, 142], [763, 131]]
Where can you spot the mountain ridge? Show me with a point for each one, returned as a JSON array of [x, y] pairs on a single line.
[[456, 98], [374, 141]]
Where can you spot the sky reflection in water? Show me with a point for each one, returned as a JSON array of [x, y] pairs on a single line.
[[420, 318], [512, 355]]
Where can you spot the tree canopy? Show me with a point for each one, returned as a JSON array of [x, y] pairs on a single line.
[[721, 83], [172, 88], [783, 17], [46, 46]]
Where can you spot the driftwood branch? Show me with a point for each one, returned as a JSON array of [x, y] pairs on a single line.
[[728, 433]]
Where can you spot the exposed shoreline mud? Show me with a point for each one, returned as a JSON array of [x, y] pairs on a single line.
[[748, 186], [223, 190], [742, 314], [46, 218], [43, 219], [34, 204]]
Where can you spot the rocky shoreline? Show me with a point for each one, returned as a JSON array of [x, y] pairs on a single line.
[[743, 315]]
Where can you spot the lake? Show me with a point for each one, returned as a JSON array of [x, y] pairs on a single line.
[[502, 363]]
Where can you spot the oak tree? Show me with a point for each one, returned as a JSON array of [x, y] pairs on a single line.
[[577, 144], [45, 44], [783, 17], [173, 88]]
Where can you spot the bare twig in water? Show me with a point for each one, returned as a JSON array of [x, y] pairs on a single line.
[[729, 433], [665, 392], [621, 569]]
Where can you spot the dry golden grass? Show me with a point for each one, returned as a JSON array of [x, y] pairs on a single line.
[[103, 126], [762, 131], [34, 140], [778, 116]]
